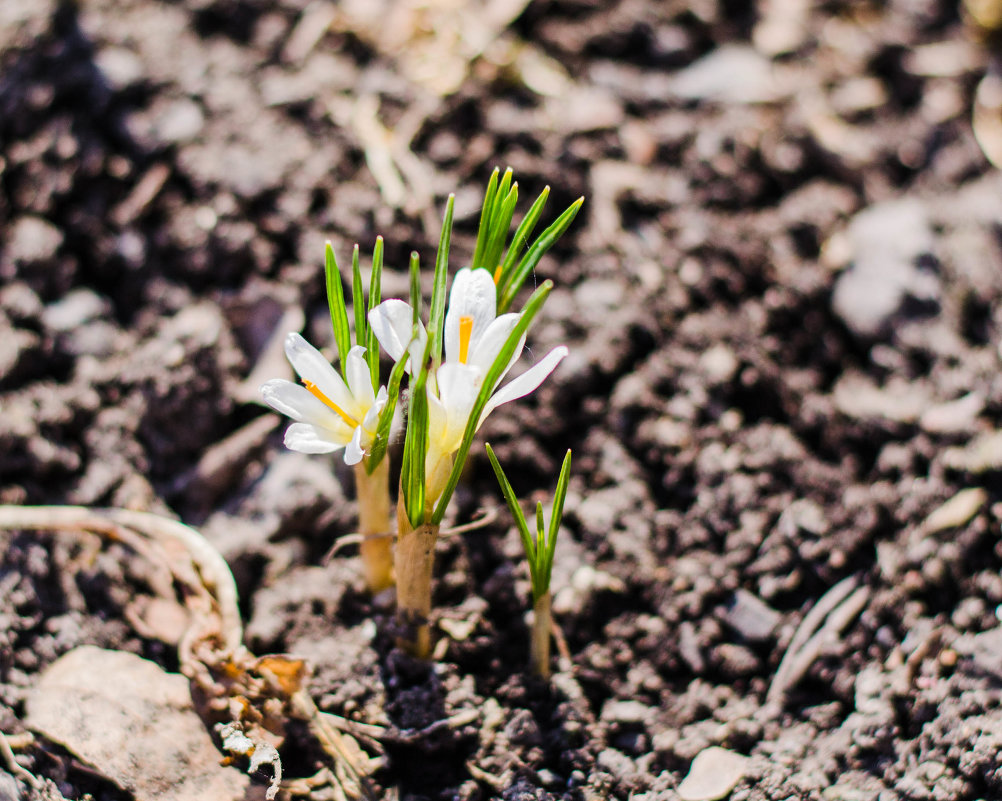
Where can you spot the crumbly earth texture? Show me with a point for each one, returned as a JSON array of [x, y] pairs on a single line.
[[783, 301]]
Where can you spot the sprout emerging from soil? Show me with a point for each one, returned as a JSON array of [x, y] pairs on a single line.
[[449, 395], [347, 410], [449, 398], [539, 551]]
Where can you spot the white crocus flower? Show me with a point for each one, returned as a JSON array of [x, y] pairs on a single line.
[[329, 413], [474, 337]]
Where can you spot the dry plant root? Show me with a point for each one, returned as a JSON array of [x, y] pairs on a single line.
[[251, 697]]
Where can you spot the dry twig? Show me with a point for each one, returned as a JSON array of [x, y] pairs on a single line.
[[820, 628]]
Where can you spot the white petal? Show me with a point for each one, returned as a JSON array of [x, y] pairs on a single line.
[[372, 416], [353, 453], [493, 339], [313, 367], [392, 321], [527, 382], [306, 438], [473, 295], [438, 422], [359, 379], [298, 403], [458, 385], [417, 351]]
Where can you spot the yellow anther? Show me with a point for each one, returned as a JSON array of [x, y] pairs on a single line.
[[497, 274], [328, 402], [465, 330]]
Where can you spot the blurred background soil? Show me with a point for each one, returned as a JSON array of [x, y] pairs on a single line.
[[782, 304]]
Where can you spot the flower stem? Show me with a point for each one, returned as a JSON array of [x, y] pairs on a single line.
[[415, 565], [373, 492], [539, 645]]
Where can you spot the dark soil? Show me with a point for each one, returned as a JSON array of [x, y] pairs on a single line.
[[782, 300]]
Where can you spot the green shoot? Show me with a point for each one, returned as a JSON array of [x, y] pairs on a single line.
[[496, 215], [539, 548]]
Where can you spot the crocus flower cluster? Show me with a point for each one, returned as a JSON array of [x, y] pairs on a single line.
[[332, 414], [474, 336], [457, 362]]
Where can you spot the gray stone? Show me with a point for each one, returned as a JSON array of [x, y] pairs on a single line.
[[750, 616], [714, 773], [120, 66], [888, 243], [134, 723], [33, 239], [9, 789], [728, 74], [180, 121], [76, 308]]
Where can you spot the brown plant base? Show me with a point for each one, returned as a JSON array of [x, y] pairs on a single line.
[[376, 548], [415, 560], [539, 645]]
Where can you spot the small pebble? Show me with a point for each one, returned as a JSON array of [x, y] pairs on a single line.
[[74, 309], [957, 511], [750, 616], [713, 774]]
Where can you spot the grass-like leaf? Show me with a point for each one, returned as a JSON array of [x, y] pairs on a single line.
[[382, 439], [557, 512], [539, 549], [415, 269], [412, 476], [500, 225], [335, 301], [535, 253], [436, 315], [357, 297], [375, 296], [516, 512], [520, 239], [485, 217]]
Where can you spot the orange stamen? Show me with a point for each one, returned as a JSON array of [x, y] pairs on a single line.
[[328, 402], [497, 274], [465, 330]]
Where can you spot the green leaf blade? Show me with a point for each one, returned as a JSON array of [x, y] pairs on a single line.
[[375, 295], [415, 271], [335, 302], [539, 248], [382, 439], [416, 445], [357, 297], [557, 511], [436, 315], [521, 237], [485, 216], [500, 226], [513, 507]]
